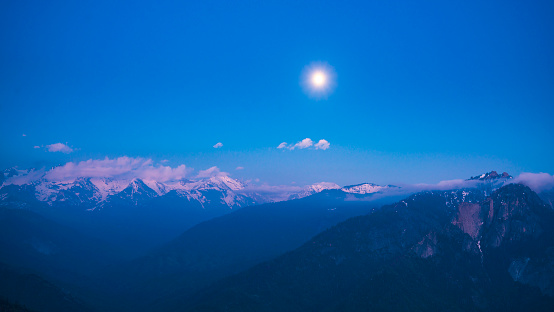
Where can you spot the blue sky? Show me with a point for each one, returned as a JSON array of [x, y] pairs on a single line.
[[426, 90]]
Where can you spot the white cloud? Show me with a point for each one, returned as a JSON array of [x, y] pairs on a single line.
[[239, 168], [538, 182], [218, 145], [36, 146], [211, 172], [322, 144], [306, 143], [59, 147], [122, 167], [443, 185], [24, 135], [26, 177]]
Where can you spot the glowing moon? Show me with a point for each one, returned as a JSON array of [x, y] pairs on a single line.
[[318, 80]]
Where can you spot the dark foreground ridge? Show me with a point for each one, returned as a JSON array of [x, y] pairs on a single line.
[[429, 252]]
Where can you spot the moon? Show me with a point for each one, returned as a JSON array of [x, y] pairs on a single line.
[[318, 80]]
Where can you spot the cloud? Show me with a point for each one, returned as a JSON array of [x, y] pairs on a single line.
[[322, 144], [36, 146], [538, 182], [211, 172], [442, 185], [59, 147], [239, 168], [26, 177], [24, 135], [122, 167], [275, 192], [306, 143], [218, 145]]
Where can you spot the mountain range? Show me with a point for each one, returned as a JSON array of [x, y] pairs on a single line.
[[215, 244], [95, 193], [150, 212]]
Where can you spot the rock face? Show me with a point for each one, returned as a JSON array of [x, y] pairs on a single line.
[[493, 175], [470, 219], [431, 251]]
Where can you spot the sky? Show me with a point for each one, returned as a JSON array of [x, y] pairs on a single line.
[[423, 91]]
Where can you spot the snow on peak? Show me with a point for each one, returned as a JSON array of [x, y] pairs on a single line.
[[216, 183], [232, 184], [50, 191], [158, 187], [109, 186], [315, 188], [364, 188], [493, 175], [136, 185], [321, 186]]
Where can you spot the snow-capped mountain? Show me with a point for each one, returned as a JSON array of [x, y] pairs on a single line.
[[95, 192], [366, 188], [360, 189], [490, 181], [313, 189], [492, 176], [24, 186]]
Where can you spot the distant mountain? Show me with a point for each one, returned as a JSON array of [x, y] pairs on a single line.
[[434, 251], [490, 176], [133, 213], [314, 189], [229, 244], [95, 193], [366, 188]]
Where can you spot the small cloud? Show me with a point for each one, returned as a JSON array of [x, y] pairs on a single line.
[[239, 168], [36, 146], [307, 142], [218, 145], [163, 161], [59, 147], [24, 135], [322, 144], [211, 172]]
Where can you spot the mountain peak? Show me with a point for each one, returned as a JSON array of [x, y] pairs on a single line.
[[364, 188], [489, 176], [137, 189], [230, 183]]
